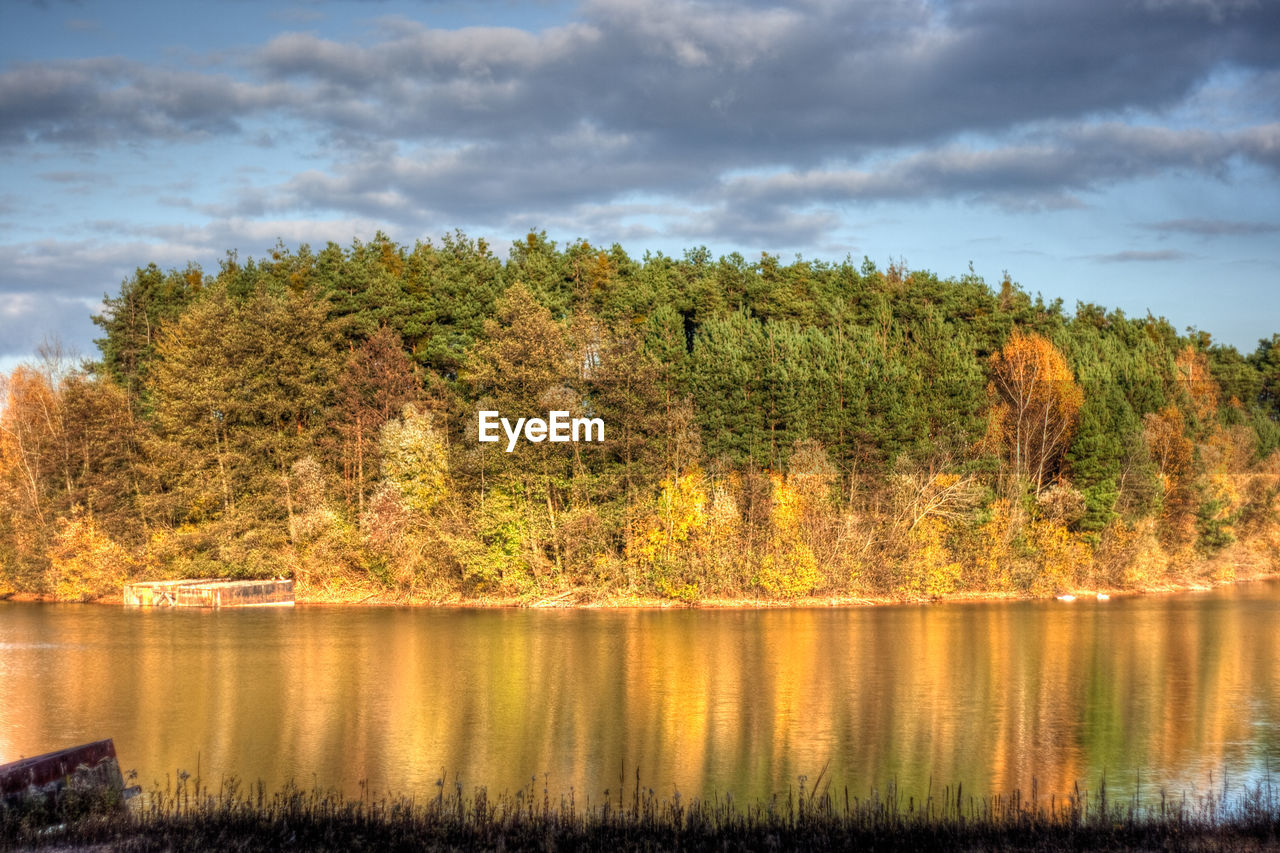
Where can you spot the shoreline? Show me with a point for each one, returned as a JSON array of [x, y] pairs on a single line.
[[583, 599]]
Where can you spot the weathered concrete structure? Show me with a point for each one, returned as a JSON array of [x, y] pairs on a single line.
[[216, 592], [84, 768]]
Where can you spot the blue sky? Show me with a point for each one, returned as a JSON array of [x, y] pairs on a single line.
[[1125, 152]]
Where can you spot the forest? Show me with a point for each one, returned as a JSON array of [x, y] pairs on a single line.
[[775, 431]]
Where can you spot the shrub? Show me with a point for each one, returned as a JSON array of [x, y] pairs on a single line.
[[84, 562]]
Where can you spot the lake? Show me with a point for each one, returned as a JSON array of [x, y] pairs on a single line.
[[1183, 689]]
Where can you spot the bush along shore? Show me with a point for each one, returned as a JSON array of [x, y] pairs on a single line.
[[759, 432], [185, 816]]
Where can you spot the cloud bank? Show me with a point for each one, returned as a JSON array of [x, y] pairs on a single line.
[[756, 122]]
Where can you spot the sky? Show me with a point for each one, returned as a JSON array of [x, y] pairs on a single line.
[[1119, 152]]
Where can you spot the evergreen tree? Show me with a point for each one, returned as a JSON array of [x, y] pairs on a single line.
[[132, 319]]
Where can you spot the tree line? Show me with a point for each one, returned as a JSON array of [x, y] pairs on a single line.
[[773, 430]]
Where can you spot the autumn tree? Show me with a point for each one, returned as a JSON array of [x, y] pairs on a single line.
[[1036, 402], [402, 522], [32, 470], [102, 440], [1197, 382], [376, 381], [776, 426]]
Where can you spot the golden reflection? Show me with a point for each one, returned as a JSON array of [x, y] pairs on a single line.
[[990, 695]]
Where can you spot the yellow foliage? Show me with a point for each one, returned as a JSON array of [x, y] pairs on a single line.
[[326, 545], [930, 570], [415, 459], [681, 510], [995, 553], [29, 426], [722, 518], [723, 538], [789, 575], [1172, 453], [686, 592], [788, 568], [1062, 558], [787, 507], [1223, 489], [1194, 376], [1146, 561], [676, 536], [84, 562]]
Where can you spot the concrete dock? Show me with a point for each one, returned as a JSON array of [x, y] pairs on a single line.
[[209, 592]]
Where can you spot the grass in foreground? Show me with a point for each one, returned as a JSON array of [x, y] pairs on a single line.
[[191, 818]]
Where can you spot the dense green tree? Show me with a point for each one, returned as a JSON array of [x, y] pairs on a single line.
[[131, 320], [1266, 361], [239, 390]]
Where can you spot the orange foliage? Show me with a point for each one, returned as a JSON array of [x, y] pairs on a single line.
[[1037, 402], [29, 429], [1193, 376], [1171, 451], [1168, 445], [595, 271]]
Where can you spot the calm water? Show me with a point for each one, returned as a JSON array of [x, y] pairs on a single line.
[[989, 695]]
